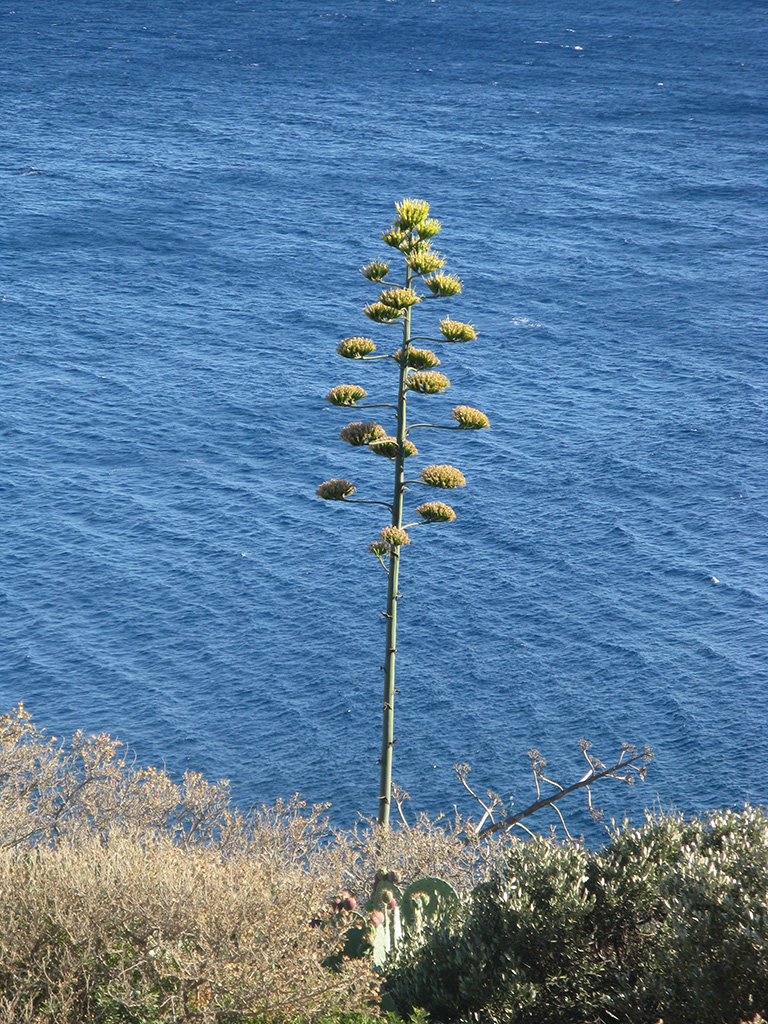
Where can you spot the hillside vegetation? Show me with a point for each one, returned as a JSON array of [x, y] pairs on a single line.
[[126, 898]]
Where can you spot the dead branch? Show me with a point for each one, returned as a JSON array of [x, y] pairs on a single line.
[[630, 766]]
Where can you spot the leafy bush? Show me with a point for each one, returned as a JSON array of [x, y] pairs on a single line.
[[670, 921]]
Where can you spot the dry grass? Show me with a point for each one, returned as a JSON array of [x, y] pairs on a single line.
[[125, 897]]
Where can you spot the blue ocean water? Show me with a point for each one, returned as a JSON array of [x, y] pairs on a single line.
[[189, 191]]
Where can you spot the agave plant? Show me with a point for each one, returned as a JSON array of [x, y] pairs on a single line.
[[410, 236]]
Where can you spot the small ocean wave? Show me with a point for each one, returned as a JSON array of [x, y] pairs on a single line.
[[176, 280], [524, 321]]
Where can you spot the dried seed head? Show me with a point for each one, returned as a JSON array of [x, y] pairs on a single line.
[[394, 536], [446, 477], [443, 284], [454, 330], [335, 490], [358, 434], [356, 348], [436, 512], [469, 418], [429, 382], [345, 394], [387, 446]]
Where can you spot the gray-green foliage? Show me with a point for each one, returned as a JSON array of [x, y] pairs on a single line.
[[669, 921]]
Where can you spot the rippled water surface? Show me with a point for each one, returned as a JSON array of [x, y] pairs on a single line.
[[189, 190]]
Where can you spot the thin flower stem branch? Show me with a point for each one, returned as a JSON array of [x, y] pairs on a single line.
[[437, 341], [365, 501], [383, 566], [374, 405], [435, 426]]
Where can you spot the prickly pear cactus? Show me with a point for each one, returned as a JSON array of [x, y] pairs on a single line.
[[386, 918], [426, 901], [391, 914]]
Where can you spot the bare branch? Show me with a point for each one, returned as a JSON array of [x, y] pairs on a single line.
[[399, 796], [630, 765]]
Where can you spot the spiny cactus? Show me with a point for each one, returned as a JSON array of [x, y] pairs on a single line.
[[423, 280], [392, 914]]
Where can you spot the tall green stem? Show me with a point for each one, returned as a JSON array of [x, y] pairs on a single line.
[[388, 724]]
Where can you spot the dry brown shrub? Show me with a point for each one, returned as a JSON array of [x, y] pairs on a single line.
[[125, 896], [189, 934], [428, 848]]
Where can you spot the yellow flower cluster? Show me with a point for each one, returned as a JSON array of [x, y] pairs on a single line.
[[345, 394], [399, 298], [442, 285], [454, 330], [436, 512], [425, 262], [335, 490], [469, 418], [375, 271], [430, 382], [355, 348], [411, 213], [381, 314], [358, 434], [418, 358], [410, 232], [446, 477], [387, 446]]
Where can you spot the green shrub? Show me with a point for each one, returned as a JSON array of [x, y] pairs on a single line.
[[669, 922]]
